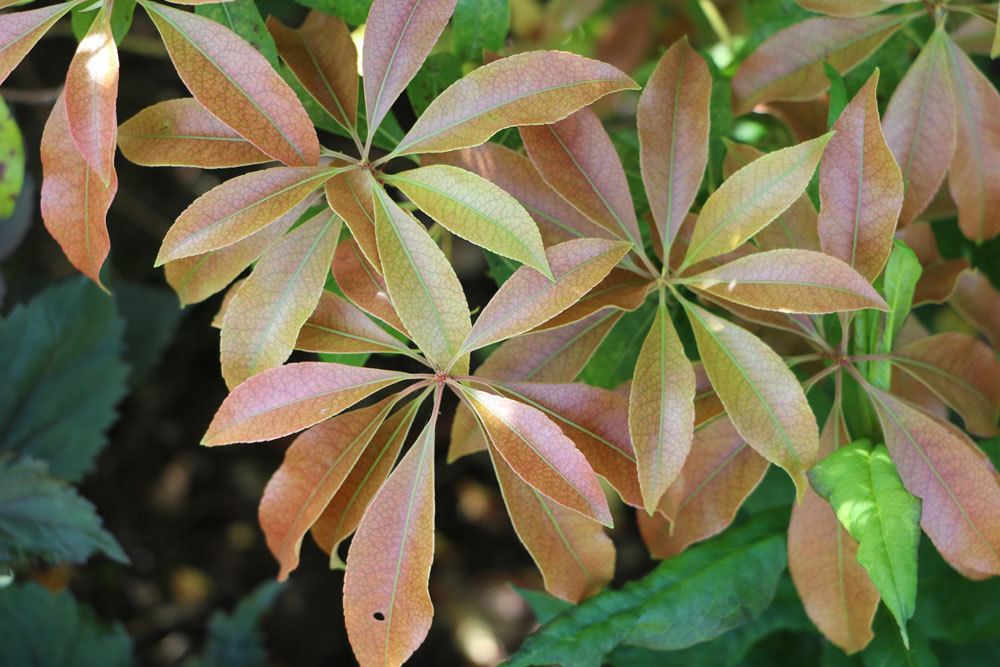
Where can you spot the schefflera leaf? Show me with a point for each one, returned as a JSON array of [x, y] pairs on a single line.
[[362, 284], [762, 396], [860, 186], [864, 489], [475, 209], [352, 196], [337, 326], [847, 8], [20, 31]]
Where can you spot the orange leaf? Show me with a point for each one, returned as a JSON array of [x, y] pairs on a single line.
[[350, 194], [362, 284], [20, 31], [620, 289], [339, 327]]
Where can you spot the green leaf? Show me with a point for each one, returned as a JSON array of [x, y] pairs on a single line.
[[11, 162], [614, 360], [62, 375], [657, 610], [236, 639], [439, 71], [44, 518], [838, 94], [953, 608], [899, 281], [354, 12], [865, 491], [41, 628], [720, 112], [121, 18], [243, 18], [545, 607], [478, 25], [887, 648], [151, 318]]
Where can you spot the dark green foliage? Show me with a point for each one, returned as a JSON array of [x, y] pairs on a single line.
[[236, 639], [478, 25]]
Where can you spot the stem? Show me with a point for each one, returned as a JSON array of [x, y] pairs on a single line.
[[815, 379], [338, 155], [871, 357], [801, 359]]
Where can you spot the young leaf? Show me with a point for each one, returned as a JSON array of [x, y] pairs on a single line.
[[919, 126], [978, 302], [350, 194], [534, 88], [793, 281], [620, 289], [762, 397], [661, 408], [323, 58], [865, 491], [234, 82], [362, 284], [673, 121], [422, 284], [289, 398], [751, 198], [528, 298], [20, 31], [861, 188], [539, 453], [182, 133], [899, 284], [263, 321], [576, 158], [475, 209], [847, 8], [398, 36], [74, 201], [339, 327], [387, 606]]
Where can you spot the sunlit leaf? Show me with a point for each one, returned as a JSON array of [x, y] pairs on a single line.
[[350, 194], [619, 289], [20, 31], [362, 284], [339, 327]]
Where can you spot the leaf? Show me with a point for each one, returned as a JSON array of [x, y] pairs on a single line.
[[888, 649], [656, 611], [44, 518], [74, 202], [323, 58], [243, 18], [838, 94], [673, 121], [958, 487], [901, 275], [422, 284], [362, 284], [386, 602], [792, 281], [182, 133], [479, 25], [399, 35], [573, 553], [239, 207], [751, 198], [919, 126], [961, 371], [974, 174], [12, 177], [237, 85], [439, 71], [20, 31], [978, 302], [661, 408], [614, 360], [62, 374], [860, 187], [90, 96], [238, 637], [534, 88], [865, 491], [620, 289], [339, 327], [529, 299], [350, 194], [789, 64], [576, 158], [292, 397], [263, 321], [847, 8], [475, 209], [762, 397]]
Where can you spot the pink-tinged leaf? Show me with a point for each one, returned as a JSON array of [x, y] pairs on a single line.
[[316, 464], [762, 397], [978, 302], [339, 327], [620, 289], [362, 284], [534, 88], [920, 128], [939, 275], [577, 159], [74, 201], [91, 96], [289, 398], [961, 371], [197, 2], [398, 37], [20, 31], [528, 299], [717, 477], [754, 196], [536, 449], [860, 186], [263, 321], [847, 8], [323, 58], [557, 220], [182, 133], [350, 194], [975, 36], [661, 408], [974, 176], [237, 208], [198, 277], [422, 284], [789, 64], [574, 554], [673, 135], [237, 84], [343, 514], [794, 281], [958, 486], [387, 605], [227, 299]]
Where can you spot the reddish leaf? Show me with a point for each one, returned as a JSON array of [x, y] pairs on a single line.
[[19, 31], [362, 284], [847, 8], [978, 301], [350, 194], [620, 289], [339, 327], [939, 276]]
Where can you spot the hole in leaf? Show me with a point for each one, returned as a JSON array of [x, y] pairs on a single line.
[[378, 616]]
